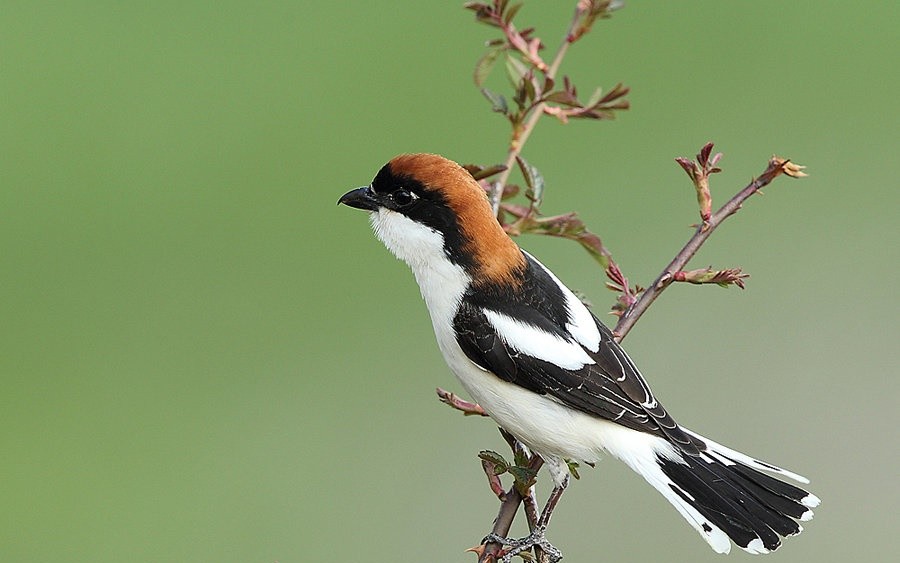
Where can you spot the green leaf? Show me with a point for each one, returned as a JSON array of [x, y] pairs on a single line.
[[511, 13], [520, 457], [533, 179], [573, 468], [482, 173], [498, 102], [530, 86], [515, 70], [595, 97], [562, 97], [485, 64], [500, 465], [524, 476], [591, 242]]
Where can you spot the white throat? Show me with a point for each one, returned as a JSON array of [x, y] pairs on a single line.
[[441, 282]]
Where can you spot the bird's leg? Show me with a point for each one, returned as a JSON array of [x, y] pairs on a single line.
[[536, 537], [550, 505]]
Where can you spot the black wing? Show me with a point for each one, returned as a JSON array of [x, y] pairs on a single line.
[[611, 388]]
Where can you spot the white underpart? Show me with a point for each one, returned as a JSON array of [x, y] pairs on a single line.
[[537, 343], [545, 425], [558, 432]]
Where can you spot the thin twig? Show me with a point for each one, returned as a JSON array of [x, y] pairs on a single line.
[[776, 167], [530, 504], [507, 513], [520, 135]]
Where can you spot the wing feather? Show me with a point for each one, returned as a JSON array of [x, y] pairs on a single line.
[[607, 385]]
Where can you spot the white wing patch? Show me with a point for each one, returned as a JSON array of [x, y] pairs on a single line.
[[528, 339], [581, 323]]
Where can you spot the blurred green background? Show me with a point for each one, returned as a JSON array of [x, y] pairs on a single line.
[[202, 358]]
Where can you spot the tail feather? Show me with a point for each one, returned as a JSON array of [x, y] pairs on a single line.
[[730, 492], [749, 523], [723, 494], [732, 457], [756, 485]]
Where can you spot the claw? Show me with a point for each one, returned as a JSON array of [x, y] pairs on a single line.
[[516, 547], [536, 538], [494, 538]]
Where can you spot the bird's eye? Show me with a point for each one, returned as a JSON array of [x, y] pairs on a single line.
[[403, 197]]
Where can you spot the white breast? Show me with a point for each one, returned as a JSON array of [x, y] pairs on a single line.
[[542, 423]]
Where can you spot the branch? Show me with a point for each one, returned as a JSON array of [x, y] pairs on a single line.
[[672, 273], [508, 508], [520, 134], [776, 167], [534, 98]]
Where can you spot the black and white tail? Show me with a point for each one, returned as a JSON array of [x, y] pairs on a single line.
[[725, 495]]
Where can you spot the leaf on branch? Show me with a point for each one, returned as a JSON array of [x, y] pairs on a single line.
[[778, 166], [521, 456], [600, 106], [486, 13], [588, 12], [516, 71], [485, 64], [494, 465], [573, 468], [500, 14], [722, 278], [570, 226], [699, 171], [561, 97], [480, 173], [557, 112], [619, 283], [511, 13], [509, 191], [525, 477], [497, 462], [498, 102], [529, 48], [516, 210], [789, 168], [534, 180], [689, 166]]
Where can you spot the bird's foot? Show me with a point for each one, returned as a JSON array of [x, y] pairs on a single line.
[[516, 547]]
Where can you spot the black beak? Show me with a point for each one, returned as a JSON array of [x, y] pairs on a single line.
[[360, 198]]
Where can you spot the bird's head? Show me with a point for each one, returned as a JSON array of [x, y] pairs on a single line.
[[426, 208]]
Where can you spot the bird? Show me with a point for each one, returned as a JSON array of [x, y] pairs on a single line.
[[550, 373]]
